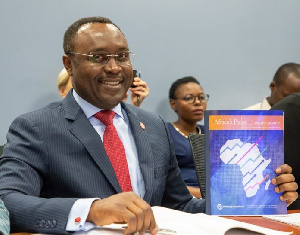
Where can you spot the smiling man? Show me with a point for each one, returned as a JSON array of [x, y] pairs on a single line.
[[91, 159], [97, 78]]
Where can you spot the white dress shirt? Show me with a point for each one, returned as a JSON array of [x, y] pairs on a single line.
[[264, 105], [81, 207]]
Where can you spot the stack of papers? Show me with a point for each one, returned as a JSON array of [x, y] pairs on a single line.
[[186, 223], [292, 219]]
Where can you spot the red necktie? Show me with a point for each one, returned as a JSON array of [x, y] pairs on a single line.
[[115, 149]]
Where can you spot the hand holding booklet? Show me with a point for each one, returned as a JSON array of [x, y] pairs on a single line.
[[183, 223]]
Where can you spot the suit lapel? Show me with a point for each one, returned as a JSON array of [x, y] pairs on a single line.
[[145, 156], [82, 129]]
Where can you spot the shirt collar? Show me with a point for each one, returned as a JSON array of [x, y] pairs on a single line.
[[89, 109], [265, 105]]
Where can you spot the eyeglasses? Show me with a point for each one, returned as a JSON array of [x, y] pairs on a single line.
[[123, 58], [191, 99]]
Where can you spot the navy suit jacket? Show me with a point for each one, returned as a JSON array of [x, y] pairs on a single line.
[[54, 156]]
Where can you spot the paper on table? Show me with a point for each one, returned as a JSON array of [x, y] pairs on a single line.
[[186, 223], [113, 229], [292, 219]]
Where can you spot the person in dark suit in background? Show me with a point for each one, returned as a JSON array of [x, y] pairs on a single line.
[[55, 172], [291, 107], [286, 81]]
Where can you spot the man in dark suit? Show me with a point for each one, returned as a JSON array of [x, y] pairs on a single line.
[[291, 107], [55, 175]]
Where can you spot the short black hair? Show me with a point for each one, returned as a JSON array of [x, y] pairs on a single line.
[[179, 82], [69, 37], [284, 70]]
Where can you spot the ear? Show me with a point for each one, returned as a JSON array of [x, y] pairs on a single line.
[[67, 63], [272, 86], [173, 104]]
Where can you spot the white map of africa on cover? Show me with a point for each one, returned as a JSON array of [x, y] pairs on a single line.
[[251, 162]]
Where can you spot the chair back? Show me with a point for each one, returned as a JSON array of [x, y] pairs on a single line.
[[197, 143], [1, 149]]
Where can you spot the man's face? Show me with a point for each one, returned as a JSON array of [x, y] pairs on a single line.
[[104, 86], [289, 86]]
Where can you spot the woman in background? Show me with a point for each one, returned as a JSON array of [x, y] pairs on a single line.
[[188, 100], [64, 83]]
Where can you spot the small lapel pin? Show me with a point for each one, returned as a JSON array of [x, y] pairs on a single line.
[[142, 126]]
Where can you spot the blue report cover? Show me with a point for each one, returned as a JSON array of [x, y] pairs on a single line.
[[243, 149]]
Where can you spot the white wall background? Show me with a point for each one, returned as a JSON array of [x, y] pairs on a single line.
[[232, 47]]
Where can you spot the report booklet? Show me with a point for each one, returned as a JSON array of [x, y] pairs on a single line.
[[242, 149]]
